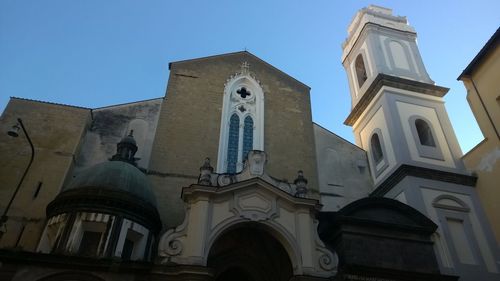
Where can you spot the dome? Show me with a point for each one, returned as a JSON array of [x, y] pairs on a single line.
[[115, 176], [116, 187]]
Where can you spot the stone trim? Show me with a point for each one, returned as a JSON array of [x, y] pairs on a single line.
[[395, 82], [408, 170]]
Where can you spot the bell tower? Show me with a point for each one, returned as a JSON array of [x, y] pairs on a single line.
[[398, 117], [398, 113]]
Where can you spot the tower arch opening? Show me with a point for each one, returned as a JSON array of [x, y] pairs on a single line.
[[424, 132], [361, 74], [376, 147]]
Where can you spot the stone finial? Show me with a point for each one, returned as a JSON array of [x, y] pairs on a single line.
[[206, 173], [301, 185]]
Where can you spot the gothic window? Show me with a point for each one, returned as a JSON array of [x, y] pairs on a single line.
[[377, 153], [247, 136], [424, 133], [361, 75], [242, 121], [233, 141]]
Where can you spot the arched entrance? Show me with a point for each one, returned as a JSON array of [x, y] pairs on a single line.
[[248, 253]]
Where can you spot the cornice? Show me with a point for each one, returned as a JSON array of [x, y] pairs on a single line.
[[395, 82], [421, 172]]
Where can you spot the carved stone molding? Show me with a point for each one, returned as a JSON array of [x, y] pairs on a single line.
[[212, 211]]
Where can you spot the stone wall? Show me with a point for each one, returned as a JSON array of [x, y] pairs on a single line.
[[56, 132], [189, 123]]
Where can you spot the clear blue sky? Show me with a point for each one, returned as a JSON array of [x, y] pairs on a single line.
[[94, 53]]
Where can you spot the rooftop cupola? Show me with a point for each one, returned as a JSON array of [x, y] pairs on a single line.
[[126, 149], [106, 211]]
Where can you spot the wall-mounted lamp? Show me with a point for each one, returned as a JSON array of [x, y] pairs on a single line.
[[14, 132]]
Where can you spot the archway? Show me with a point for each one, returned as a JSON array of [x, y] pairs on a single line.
[[248, 252]]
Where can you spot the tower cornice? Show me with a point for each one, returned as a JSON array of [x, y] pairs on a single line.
[[415, 171], [391, 81]]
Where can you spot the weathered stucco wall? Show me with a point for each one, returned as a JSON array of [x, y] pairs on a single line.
[[343, 171], [56, 131], [110, 124], [484, 159]]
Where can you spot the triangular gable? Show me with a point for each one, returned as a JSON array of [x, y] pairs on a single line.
[[244, 55]]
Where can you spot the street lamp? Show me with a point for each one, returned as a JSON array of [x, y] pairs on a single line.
[[14, 132]]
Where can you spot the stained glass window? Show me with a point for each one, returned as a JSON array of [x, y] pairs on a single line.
[[247, 136], [232, 144]]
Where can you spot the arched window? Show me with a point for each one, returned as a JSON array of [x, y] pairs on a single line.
[[232, 143], [424, 133], [377, 153], [242, 122], [247, 136], [361, 75]]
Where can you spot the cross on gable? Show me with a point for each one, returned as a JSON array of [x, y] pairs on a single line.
[[243, 92]]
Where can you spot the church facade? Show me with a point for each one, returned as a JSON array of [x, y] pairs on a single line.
[[228, 178]]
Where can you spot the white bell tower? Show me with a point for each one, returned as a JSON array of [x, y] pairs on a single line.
[[398, 113], [398, 117]]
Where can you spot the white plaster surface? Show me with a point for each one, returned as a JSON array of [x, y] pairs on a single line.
[[378, 121], [429, 195], [407, 110]]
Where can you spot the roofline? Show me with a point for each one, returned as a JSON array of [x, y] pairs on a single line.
[[353, 144], [52, 103], [492, 43], [235, 53], [86, 108], [127, 103]]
